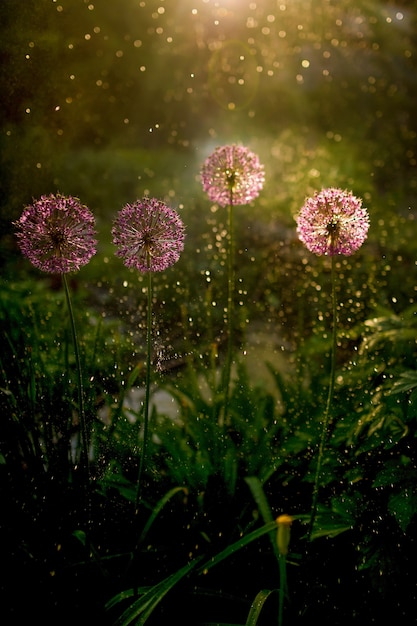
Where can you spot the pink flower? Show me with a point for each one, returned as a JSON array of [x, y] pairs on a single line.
[[333, 222], [232, 175], [56, 234], [149, 235]]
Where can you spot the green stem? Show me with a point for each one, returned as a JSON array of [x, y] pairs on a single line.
[[328, 403], [282, 587], [230, 308], [81, 410], [147, 390]]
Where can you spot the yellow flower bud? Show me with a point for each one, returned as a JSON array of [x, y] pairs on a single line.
[[283, 534]]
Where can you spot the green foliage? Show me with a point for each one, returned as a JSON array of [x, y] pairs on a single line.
[[257, 606], [269, 439], [149, 598], [38, 377], [146, 604], [201, 445]]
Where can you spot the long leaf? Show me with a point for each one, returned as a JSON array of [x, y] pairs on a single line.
[[260, 498], [144, 606], [158, 508], [406, 381], [257, 606], [234, 547]]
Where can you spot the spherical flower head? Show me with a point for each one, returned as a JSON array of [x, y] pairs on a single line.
[[333, 222], [149, 235], [232, 175], [56, 233]]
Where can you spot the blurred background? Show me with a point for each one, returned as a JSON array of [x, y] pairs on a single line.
[[109, 100]]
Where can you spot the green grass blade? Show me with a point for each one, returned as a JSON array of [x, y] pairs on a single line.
[[234, 547], [158, 508], [124, 595], [140, 610], [257, 606], [259, 496]]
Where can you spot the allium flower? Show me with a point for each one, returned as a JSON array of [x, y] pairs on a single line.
[[232, 175], [333, 222], [56, 234], [149, 235]]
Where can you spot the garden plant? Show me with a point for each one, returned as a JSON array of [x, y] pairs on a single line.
[[208, 382]]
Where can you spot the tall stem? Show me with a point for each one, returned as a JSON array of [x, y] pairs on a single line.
[[328, 403], [282, 587], [81, 410], [230, 307], [147, 389]]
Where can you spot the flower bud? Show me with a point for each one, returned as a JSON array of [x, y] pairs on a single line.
[[283, 533]]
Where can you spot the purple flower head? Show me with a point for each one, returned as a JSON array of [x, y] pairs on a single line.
[[232, 175], [149, 235], [56, 234], [333, 222]]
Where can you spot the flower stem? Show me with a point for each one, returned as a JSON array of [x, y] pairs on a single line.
[[230, 309], [147, 390], [282, 587], [81, 410], [328, 403]]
